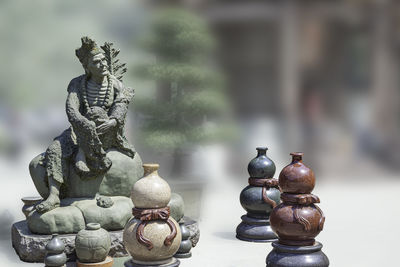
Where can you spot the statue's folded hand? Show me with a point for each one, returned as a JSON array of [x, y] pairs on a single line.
[[104, 127]]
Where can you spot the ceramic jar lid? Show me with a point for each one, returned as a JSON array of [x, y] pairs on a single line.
[[151, 191]]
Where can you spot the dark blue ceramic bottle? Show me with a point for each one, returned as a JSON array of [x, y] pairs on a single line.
[[258, 199]]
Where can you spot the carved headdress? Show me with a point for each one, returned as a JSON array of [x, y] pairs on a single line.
[[88, 49]]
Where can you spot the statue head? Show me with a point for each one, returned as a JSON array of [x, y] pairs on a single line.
[[92, 58]]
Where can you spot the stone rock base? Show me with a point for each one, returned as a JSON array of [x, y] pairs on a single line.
[[293, 256], [194, 229], [31, 247], [255, 230]]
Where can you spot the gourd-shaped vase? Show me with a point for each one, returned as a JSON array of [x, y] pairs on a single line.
[[186, 243], [297, 220], [55, 255], [258, 199], [152, 237], [92, 244]]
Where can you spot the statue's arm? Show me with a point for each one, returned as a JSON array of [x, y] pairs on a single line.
[[123, 96], [77, 120]]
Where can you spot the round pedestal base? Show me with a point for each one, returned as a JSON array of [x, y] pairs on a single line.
[[294, 256], [183, 255], [255, 230], [173, 263], [108, 262]]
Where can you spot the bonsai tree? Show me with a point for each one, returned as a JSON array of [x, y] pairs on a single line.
[[189, 106]]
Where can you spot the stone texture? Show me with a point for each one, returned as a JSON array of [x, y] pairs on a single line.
[[73, 214], [255, 230], [294, 256], [118, 181], [112, 218], [59, 220], [31, 247], [194, 230]]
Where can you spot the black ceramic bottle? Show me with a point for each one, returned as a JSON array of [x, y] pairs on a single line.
[[258, 199], [186, 243]]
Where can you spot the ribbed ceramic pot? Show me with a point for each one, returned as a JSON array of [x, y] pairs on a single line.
[[92, 244], [151, 192]]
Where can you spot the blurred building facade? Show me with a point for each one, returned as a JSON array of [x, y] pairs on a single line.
[[313, 65]]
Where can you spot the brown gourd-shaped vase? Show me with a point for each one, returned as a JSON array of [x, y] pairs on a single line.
[[152, 237], [297, 220]]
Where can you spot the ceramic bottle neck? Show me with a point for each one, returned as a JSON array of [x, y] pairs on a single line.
[[297, 157], [261, 151], [150, 169]]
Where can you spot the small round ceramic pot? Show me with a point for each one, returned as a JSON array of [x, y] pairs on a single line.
[[92, 244]]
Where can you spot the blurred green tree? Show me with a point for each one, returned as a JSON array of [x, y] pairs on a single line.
[[190, 106]]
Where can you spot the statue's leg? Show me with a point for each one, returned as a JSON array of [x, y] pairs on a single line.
[[37, 170], [80, 162], [54, 173], [53, 200]]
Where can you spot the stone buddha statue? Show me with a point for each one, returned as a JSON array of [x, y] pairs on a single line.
[[87, 172]]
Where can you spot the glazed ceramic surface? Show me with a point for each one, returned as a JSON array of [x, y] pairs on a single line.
[[261, 166], [151, 191], [295, 224], [186, 243], [55, 256], [296, 177], [252, 201], [156, 232], [92, 244], [293, 256], [258, 199], [297, 221]]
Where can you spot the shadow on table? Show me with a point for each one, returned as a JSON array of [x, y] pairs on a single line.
[[226, 235]]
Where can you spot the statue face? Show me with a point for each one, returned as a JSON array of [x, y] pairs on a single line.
[[97, 65]]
